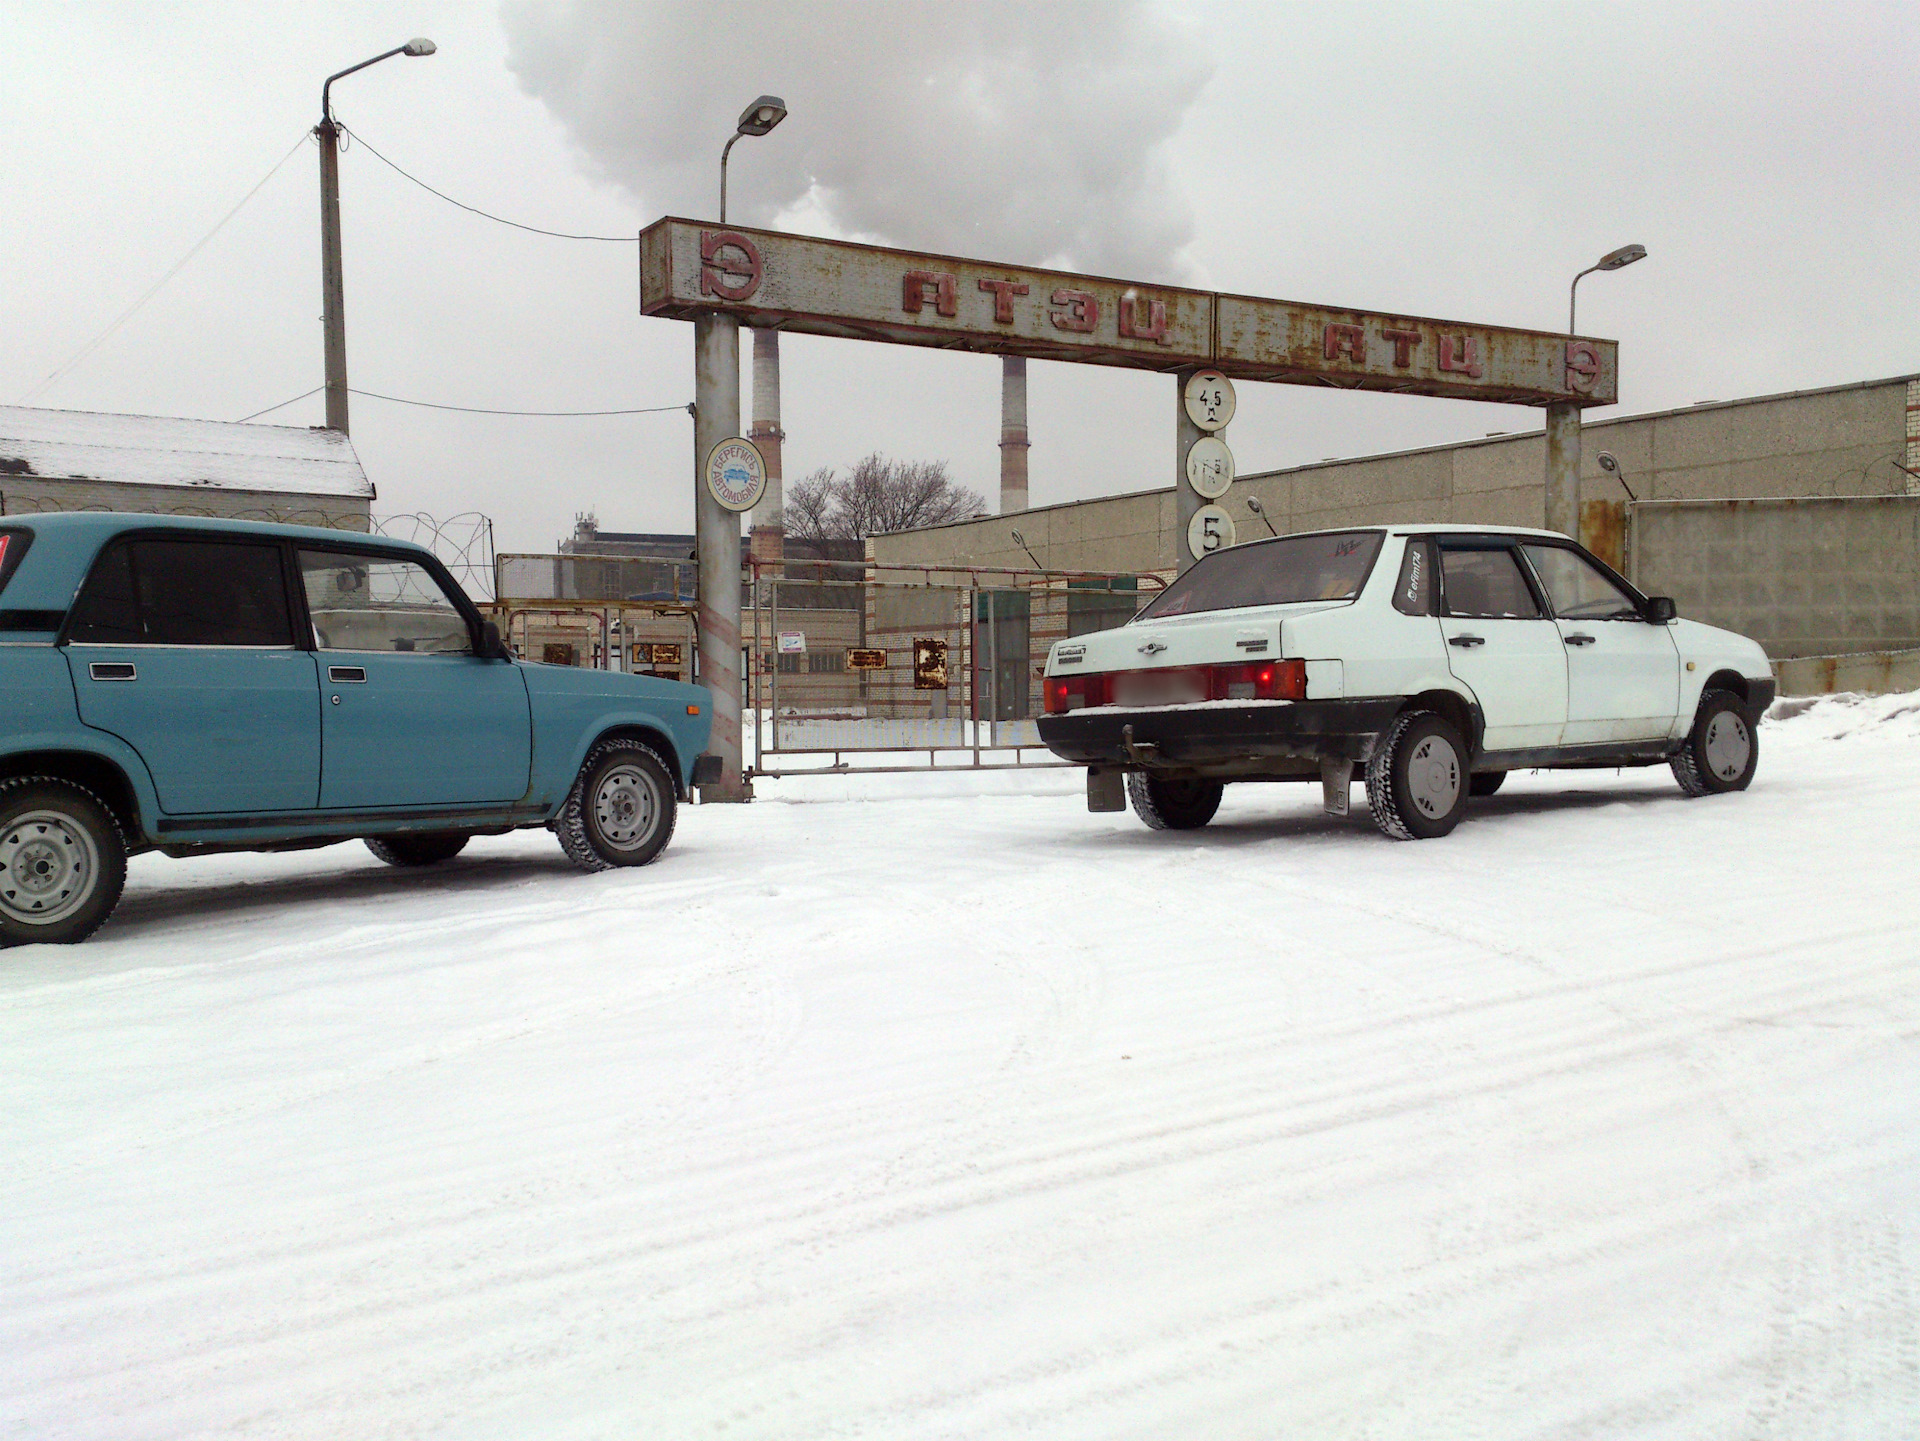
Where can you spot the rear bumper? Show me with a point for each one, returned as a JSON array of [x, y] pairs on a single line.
[[1229, 738]]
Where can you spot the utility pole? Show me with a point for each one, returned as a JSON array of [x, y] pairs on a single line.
[[333, 291]]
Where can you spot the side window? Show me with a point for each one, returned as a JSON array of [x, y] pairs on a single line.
[[1487, 584], [184, 592], [1413, 593], [376, 603], [1577, 588]]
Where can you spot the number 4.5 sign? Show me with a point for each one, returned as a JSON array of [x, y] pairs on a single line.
[[1210, 529]]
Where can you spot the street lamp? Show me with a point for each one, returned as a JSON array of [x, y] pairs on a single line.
[[332, 287], [757, 119], [1612, 260], [1253, 504], [1611, 465]]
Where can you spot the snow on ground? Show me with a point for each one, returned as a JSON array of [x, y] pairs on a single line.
[[938, 1107]]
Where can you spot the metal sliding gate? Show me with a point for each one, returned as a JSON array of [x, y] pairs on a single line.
[[911, 669]]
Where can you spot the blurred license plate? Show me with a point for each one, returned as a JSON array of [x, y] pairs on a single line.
[[1157, 687]]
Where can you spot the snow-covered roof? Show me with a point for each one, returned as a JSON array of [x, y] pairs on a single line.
[[167, 450]]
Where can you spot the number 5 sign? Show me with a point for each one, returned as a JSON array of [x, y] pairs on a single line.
[[1210, 529]]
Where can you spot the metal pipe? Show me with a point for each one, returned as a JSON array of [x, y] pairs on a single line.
[[716, 371], [726, 151], [1563, 469], [1186, 499]]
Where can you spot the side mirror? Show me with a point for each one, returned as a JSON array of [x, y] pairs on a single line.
[[1660, 609], [491, 646]]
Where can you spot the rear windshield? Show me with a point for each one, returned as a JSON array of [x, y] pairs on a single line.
[[1274, 572]]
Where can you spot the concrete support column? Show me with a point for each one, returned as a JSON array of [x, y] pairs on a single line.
[[768, 534], [1013, 434], [716, 401], [1186, 499], [1563, 469]]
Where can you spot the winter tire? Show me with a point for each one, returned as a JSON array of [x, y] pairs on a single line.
[[427, 850], [1170, 805], [1417, 778], [63, 862], [620, 811], [1721, 750], [1486, 783]]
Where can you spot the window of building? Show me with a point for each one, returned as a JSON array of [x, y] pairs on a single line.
[[826, 662]]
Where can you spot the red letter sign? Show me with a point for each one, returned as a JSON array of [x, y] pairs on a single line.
[[1583, 366], [1403, 343], [1003, 293], [915, 285], [1082, 311], [1347, 340], [1132, 327], [1460, 354], [721, 276]]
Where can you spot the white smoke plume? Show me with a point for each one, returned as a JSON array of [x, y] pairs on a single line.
[[1030, 133]]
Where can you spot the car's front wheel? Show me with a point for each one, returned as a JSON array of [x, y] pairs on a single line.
[[621, 810], [63, 862], [1721, 751], [427, 850], [1173, 805], [1417, 778]]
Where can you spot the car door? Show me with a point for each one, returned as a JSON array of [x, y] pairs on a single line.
[[1623, 675], [410, 716], [1502, 645], [183, 646]]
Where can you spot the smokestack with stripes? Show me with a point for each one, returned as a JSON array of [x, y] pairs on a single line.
[[767, 541], [1013, 434]]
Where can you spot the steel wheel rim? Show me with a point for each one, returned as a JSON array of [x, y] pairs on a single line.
[[626, 808], [1727, 745], [48, 867], [1433, 777]]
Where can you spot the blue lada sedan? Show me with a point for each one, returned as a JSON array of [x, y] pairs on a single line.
[[191, 686]]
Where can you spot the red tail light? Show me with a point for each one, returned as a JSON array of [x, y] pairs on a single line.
[[1071, 692], [1259, 680], [1251, 680]]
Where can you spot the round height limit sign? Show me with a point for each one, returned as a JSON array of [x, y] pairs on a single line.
[[1209, 401]]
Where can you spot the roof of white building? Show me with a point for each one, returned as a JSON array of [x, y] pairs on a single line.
[[167, 450]]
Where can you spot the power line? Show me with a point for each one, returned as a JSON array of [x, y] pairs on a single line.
[[464, 409], [475, 210], [127, 314]]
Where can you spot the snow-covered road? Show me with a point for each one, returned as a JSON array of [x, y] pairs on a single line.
[[905, 1107]]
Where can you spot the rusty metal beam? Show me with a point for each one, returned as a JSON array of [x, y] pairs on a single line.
[[769, 280]]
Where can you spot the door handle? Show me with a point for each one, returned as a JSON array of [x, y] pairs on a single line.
[[111, 670], [1579, 640], [347, 674], [1466, 642]]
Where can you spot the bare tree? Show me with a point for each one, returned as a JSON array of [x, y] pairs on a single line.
[[875, 497]]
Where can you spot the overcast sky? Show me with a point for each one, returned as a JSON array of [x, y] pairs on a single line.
[[1451, 160]]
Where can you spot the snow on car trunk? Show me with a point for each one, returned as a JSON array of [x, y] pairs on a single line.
[[936, 1106]]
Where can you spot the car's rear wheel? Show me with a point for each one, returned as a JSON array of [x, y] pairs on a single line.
[[621, 809], [63, 862], [1417, 779], [427, 850], [1721, 751], [1173, 805], [1486, 783]]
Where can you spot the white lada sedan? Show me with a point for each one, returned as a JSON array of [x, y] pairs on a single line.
[[1430, 659]]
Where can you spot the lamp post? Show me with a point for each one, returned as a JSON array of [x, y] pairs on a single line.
[[716, 417], [332, 287], [757, 119], [1612, 260], [1563, 419]]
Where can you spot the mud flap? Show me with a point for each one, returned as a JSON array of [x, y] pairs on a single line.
[[1336, 786], [1106, 789]]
